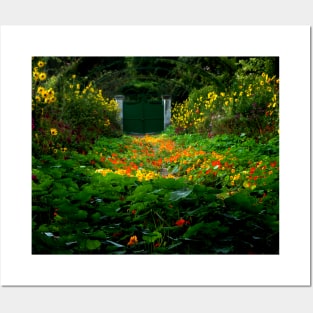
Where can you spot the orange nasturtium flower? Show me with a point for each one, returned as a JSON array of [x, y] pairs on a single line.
[[133, 240], [53, 131]]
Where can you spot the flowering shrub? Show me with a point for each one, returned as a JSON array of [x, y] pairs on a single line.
[[88, 113], [72, 117], [250, 106]]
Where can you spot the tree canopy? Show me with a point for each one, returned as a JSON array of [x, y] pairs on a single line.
[[156, 76]]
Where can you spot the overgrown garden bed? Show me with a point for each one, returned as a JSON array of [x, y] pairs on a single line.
[[164, 194]]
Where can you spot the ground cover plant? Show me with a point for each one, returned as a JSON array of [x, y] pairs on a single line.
[[161, 194]]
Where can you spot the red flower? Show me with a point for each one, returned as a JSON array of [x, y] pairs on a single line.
[[273, 164], [180, 222], [216, 163], [252, 170]]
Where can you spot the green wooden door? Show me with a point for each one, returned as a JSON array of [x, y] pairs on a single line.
[[143, 116]]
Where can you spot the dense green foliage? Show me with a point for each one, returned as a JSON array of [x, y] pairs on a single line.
[[216, 198]]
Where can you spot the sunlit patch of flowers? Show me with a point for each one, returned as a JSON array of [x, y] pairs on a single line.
[[146, 175], [142, 174], [155, 157]]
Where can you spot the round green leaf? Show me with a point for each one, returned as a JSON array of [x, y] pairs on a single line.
[[93, 244]]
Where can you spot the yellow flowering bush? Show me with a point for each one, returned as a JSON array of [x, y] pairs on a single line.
[[89, 113], [251, 106], [195, 113], [68, 112]]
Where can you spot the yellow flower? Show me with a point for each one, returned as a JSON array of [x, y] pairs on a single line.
[[233, 170], [73, 76], [53, 131], [41, 63], [35, 75], [236, 177], [78, 86], [50, 92], [42, 76], [40, 90], [261, 82]]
